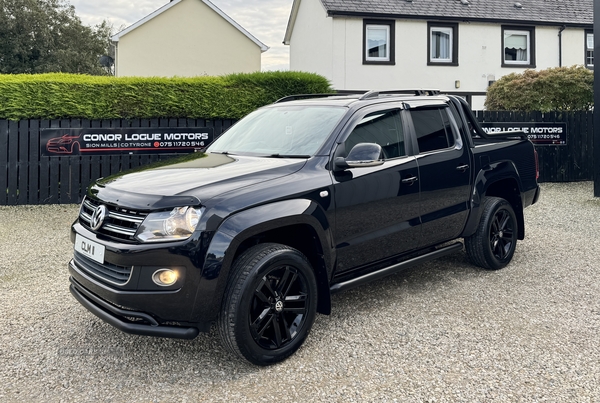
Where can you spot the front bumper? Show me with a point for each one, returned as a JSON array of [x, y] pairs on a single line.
[[125, 320], [133, 303]]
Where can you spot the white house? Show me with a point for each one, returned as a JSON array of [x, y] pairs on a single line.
[[186, 38], [451, 45]]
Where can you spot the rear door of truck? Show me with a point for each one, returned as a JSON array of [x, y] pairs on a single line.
[[445, 168]]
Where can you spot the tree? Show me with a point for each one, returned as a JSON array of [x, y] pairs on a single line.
[[41, 36], [554, 89]]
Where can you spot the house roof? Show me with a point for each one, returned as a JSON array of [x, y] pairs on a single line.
[[579, 13], [571, 12], [172, 3]]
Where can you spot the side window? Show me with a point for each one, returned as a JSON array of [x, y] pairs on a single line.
[[432, 128], [383, 128]]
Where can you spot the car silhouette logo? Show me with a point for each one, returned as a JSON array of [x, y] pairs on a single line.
[[98, 217], [66, 144]]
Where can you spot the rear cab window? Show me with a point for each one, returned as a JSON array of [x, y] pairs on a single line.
[[433, 129]]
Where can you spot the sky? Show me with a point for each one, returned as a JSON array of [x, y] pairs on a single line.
[[265, 19]]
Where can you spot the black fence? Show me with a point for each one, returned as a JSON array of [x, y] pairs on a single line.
[[565, 163], [26, 177], [33, 179]]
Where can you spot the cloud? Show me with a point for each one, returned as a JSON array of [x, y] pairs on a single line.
[[118, 12], [265, 19]]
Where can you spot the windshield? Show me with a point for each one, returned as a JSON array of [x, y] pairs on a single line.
[[295, 131]]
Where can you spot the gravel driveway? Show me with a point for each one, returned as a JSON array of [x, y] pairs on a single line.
[[442, 332]]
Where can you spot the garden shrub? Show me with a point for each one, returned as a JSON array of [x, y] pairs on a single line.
[[63, 96], [554, 89]]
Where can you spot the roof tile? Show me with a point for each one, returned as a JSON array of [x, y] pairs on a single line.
[[571, 12]]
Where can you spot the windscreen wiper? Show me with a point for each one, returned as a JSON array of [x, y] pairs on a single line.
[[289, 156]]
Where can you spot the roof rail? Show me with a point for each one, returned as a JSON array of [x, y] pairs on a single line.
[[363, 94], [307, 96], [369, 95], [416, 92], [302, 96]]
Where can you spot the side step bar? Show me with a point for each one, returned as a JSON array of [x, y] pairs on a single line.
[[346, 285]]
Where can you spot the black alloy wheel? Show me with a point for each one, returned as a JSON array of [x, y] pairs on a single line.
[[502, 234], [279, 307], [269, 304], [493, 244]]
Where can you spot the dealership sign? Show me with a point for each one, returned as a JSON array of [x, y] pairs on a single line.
[[549, 134], [91, 141]]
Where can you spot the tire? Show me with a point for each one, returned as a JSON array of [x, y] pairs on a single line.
[[269, 305], [493, 245]]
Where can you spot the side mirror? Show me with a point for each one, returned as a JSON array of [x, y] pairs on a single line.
[[361, 155]]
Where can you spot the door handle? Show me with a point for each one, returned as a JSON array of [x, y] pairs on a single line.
[[462, 168], [410, 181]]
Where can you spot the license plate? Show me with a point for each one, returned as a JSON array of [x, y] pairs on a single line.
[[90, 249]]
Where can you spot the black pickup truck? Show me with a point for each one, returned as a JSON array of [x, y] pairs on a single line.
[[298, 200]]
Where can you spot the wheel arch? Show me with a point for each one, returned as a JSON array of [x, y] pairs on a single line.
[[500, 179], [300, 224]]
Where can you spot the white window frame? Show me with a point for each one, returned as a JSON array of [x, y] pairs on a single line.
[[588, 49], [450, 32], [385, 58], [527, 34]]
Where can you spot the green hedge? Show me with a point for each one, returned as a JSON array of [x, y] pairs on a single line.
[[56, 95], [554, 89]]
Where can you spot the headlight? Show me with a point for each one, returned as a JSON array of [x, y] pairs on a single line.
[[174, 225]]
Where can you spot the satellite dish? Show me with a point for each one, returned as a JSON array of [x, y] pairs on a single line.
[[106, 61]]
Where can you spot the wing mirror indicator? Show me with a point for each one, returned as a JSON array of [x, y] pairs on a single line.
[[361, 155]]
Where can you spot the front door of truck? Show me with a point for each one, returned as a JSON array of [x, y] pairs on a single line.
[[377, 208]]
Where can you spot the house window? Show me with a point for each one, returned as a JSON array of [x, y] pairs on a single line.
[[518, 46], [589, 49], [443, 44], [378, 44]]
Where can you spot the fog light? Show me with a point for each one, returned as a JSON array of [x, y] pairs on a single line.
[[164, 277]]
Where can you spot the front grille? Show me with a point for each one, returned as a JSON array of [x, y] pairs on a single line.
[[112, 273], [120, 223]]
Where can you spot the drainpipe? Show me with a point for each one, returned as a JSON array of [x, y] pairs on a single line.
[[560, 31]]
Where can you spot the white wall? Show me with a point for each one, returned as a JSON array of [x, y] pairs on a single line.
[[187, 40], [480, 54], [573, 46], [311, 43]]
